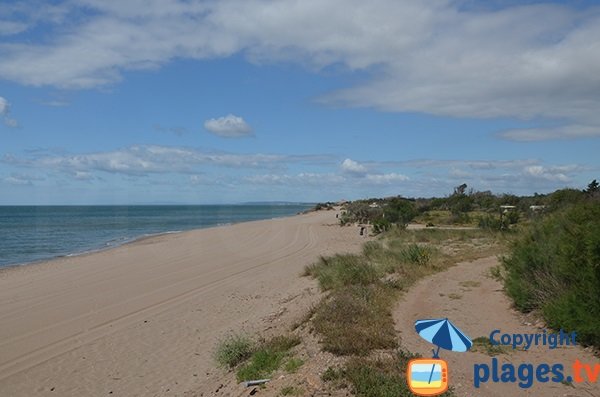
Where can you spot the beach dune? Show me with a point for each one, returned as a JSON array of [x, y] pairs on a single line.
[[144, 318]]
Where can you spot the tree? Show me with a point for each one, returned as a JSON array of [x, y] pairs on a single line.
[[460, 190], [593, 187]]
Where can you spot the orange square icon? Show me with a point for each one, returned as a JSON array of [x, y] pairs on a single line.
[[427, 376]]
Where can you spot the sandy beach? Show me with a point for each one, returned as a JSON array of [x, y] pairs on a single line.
[[143, 319]]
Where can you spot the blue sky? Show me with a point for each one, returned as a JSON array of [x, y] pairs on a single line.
[[111, 102]]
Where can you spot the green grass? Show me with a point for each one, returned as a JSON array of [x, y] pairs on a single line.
[[357, 320], [267, 358], [342, 270], [291, 391], [483, 345], [293, 364], [382, 377], [232, 350]]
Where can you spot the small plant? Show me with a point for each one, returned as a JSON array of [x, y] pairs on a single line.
[[293, 364], [332, 374], [267, 358], [291, 391], [496, 273], [483, 345], [470, 284], [232, 350]]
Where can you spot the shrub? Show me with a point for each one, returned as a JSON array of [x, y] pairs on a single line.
[[555, 267], [416, 254], [381, 225], [490, 222], [233, 350]]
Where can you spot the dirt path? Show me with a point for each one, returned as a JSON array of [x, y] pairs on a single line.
[[475, 302]]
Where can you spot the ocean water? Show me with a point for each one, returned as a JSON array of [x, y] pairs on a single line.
[[34, 233]]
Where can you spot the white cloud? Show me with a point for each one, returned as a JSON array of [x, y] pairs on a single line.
[[551, 174], [390, 178], [154, 159], [13, 180], [562, 132], [4, 106], [21, 179], [5, 114], [435, 57], [353, 167], [8, 28], [229, 126], [297, 180], [83, 175]]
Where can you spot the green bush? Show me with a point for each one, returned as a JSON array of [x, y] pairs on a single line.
[[490, 222], [555, 268], [381, 225]]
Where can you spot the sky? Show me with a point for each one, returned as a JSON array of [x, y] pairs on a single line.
[[210, 102]]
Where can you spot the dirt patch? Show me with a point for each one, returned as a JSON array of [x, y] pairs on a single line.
[[483, 307]]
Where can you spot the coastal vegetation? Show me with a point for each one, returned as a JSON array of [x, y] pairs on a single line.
[[553, 267], [550, 266], [257, 360], [462, 207], [355, 321]]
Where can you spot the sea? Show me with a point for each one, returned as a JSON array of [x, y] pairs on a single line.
[[34, 233]]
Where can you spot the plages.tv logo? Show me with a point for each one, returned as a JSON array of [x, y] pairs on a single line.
[[429, 376]]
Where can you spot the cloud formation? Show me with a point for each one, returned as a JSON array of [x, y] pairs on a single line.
[[436, 57], [155, 159], [159, 165], [5, 114], [353, 167], [229, 126]]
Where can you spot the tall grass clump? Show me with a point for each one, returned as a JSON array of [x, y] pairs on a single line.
[[232, 350], [342, 270], [267, 358], [417, 254], [554, 267]]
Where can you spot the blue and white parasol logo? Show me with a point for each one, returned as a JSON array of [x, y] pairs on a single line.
[[442, 333]]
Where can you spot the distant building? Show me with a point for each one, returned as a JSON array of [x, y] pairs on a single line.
[[537, 208]]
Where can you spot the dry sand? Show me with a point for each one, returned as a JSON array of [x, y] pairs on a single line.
[[143, 319]]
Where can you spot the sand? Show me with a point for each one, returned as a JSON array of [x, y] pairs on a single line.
[[143, 319]]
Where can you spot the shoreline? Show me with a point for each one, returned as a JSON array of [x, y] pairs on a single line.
[[145, 317], [130, 240]]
